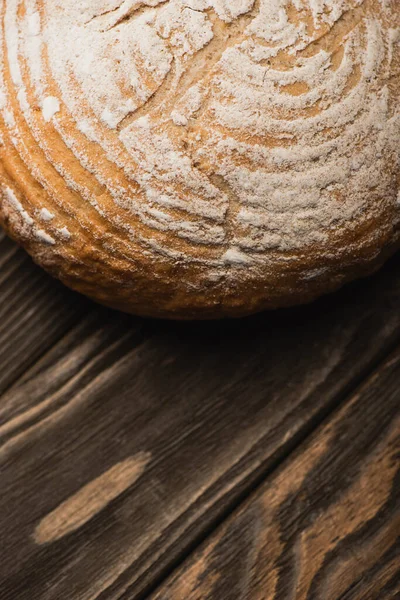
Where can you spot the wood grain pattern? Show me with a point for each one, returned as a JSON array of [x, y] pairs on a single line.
[[90, 500], [326, 526], [35, 311], [216, 405]]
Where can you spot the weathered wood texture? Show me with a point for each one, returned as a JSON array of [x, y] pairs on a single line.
[[326, 526], [130, 439], [35, 311]]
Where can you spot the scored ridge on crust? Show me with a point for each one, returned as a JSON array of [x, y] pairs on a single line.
[[201, 158]]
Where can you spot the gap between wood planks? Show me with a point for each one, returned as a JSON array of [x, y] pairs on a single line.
[[276, 458], [283, 456], [324, 525]]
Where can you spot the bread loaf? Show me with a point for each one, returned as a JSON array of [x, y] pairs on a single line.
[[201, 158]]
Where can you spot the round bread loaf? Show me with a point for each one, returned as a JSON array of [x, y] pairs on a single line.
[[201, 158]]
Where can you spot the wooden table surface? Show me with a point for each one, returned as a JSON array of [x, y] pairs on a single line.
[[256, 459]]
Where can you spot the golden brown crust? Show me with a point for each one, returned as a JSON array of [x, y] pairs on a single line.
[[204, 158]]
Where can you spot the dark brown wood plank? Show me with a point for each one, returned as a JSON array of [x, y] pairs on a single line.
[[35, 311], [326, 526], [84, 353], [122, 449]]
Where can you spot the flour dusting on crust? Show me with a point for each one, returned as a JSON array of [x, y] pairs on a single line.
[[233, 136]]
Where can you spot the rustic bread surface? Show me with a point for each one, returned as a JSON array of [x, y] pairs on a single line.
[[201, 158]]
